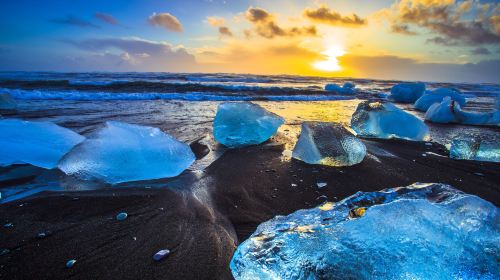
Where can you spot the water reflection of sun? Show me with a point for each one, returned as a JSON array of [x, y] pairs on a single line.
[[331, 63]]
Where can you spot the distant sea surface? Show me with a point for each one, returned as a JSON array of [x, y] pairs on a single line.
[[196, 87]]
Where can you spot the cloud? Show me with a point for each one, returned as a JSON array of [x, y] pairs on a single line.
[[265, 25], [480, 51], [215, 21], [402, 29], [393, 67], [225, 31], [106, 18], [133, 54], [167, 21], [448, 20], [74, 21], [325, 15], [442, 41], [257, 15]]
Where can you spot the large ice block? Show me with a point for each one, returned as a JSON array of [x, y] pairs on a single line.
[[328, 144], [7, 102], [385, 120], [122, 152], [347, 88], [407, 92], [423, 231], [436, 96], [239, 124], [40, 144], [473, 148], [449, 111]]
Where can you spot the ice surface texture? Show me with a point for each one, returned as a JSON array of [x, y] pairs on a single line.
[[328, 144], [40, 144], [423, 231], [407, 92], [475, 149], [239, 124], [7, 102], [121, 152], [436, 96], [449, 111], [385, 120], [347, 88]]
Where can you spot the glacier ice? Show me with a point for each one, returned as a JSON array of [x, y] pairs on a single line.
[[122, 152], [385, 120], [239, 124], [328, 144], [7, 102], [423, 231], [40, 144], [473, 148], [347, 88], [436, 96], [449, 111], [407, 92]]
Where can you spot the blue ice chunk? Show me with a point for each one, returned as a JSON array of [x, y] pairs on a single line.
[[7, 102], [407, 92], [70, 263], [423, 231], [473, 148], [436, 96], [121, 152], [449, 111], [347, 88], [328, 144], [40, 144], [239, 124], [385, 120], [161, 254], [121, 216]]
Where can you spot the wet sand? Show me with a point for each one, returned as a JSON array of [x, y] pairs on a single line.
[[206, 214]]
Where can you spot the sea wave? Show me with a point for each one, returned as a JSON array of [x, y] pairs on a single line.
[[191, 96]]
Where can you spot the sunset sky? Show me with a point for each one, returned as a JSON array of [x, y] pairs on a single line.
[[430, 40]]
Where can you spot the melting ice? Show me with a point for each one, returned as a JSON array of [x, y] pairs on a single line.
[[423, 231], [328, 144], [122, 152], [385, 120], [40, 144], [475, 149], [239, 124], [436, 96], [407, 92], [449, 111]]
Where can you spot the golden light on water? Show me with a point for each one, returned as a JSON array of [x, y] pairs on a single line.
[[331, 64]]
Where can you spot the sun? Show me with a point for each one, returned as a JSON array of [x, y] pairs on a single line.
[[331, 64]]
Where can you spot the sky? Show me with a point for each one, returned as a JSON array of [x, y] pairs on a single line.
[[427, 40]]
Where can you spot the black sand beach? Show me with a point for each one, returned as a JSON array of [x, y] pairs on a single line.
[[204, 216]]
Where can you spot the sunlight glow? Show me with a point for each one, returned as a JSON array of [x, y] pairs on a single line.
[[331, 63]]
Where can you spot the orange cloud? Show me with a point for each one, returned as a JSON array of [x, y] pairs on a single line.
[[324, 15], [167, 21]]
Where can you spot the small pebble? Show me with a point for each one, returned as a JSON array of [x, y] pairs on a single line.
[[41, 235], [135, 238], [321, 185], [161, 254], [424, 155], [294, 185], [70, 263], [122, 216], [8, 225], [479, 174]]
